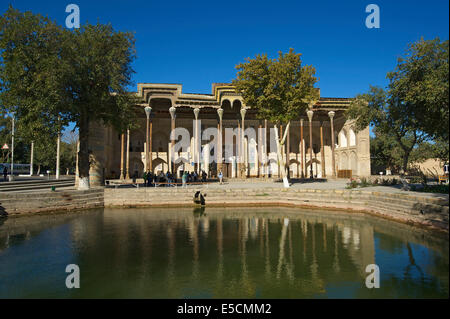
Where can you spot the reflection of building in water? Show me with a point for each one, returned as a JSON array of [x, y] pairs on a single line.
[[244, 251], [204, 225]]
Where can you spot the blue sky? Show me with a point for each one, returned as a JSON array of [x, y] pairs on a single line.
[[196, 43]]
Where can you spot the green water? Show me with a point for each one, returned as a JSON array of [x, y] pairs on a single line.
[[219, 253]]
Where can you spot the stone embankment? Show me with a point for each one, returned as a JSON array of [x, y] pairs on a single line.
[[415, 208], [427, 209], [43, 202]]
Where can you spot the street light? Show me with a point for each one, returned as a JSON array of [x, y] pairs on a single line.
[[11, 176], [148, 111]]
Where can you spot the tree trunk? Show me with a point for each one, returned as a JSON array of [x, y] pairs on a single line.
[[83, 154], [280, 155]]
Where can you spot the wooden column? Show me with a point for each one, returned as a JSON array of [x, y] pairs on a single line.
[[220, 142], [122, 154], [282, 151], [244, 149], [322, 150], [260, 149], [172, 140], [150, 148], [302, 146], [310, 116], [266, 152], [196, 143], [127, 172], [333, 163], [148, 111], [288, 153], [239, 151]]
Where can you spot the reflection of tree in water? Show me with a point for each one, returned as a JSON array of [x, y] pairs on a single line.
[[247, 254], [386, 243], [412, 263]]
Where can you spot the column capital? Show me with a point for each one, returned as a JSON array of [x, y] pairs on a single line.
[[331, 114], [220, 113], [310, 115], [148, 111], [196, 112], [172, 112], [243, 112]]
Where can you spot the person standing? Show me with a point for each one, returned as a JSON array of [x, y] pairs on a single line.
[[220, 178], [5, 173], [150, 179], [144, 176], [184, 179]]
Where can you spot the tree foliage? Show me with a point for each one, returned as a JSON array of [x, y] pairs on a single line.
[[413, 109], [50, 76], [421, 82], [279, 89]]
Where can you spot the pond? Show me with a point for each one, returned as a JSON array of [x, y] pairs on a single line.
[[271, 252]]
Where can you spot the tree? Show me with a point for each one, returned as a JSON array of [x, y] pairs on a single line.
[[50, 77], [421, 81], [278, 89], [414, 106], [385, 152], [391, 117]]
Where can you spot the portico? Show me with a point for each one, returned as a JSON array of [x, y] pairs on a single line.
[[320, 144]]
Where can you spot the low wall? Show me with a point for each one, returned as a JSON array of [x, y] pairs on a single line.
[[432, 210], [422, 209], [37, 202]]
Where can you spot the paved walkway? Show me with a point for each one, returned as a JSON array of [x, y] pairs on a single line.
[[339, 184]]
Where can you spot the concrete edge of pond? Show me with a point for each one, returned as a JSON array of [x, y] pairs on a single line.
[[415, 209]]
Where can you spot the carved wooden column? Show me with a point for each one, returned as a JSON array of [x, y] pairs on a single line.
[[122, 154], [219, 142], [322, 150], [244, 149], [310, 116], [259, 150], [302, 146], [196, 143], [172, 139], [266, 152], [288, 152], [333, 163], [127, 172], [150, 148], [148, 111], [282, 152]]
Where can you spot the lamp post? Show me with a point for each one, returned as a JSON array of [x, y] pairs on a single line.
[[58, 149], [148, 111], [11, 177], [310, 115], [32, 158]]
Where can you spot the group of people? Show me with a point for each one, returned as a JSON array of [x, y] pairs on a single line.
[[193, 177], [168, 179], [151, 179]]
